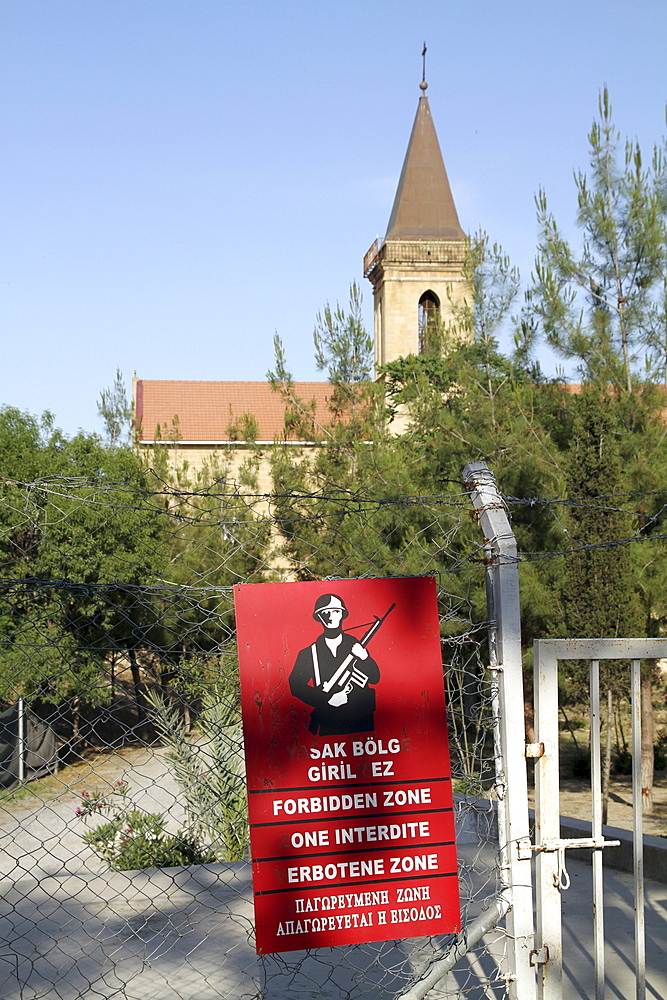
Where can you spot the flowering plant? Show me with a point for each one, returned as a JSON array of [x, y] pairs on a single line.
[[102, 802], [132, 839]]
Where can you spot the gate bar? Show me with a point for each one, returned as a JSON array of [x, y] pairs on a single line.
[[547, 653], [638, 832], [596, 829], [547, 828], [21, 739]]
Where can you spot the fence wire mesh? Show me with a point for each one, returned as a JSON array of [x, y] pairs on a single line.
[[122, 814]]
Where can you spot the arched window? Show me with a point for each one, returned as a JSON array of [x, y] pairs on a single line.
[[429, 323]]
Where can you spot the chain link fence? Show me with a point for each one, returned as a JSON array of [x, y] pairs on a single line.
[[122, 809]]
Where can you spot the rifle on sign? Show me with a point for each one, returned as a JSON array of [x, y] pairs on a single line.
[[347, 671]]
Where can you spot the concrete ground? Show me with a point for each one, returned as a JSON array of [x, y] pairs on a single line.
[[579, 976], [71, 930], [45, 837], [184, 934]]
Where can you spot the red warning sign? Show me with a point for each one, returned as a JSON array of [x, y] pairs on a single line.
[[349, 785]]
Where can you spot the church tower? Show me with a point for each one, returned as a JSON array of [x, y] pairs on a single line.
[[417, 270]]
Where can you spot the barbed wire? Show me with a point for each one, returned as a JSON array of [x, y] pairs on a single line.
[[559, 501], [291, 508], [224, 487], [589, 546]]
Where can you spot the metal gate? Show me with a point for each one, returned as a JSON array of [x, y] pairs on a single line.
[[543, 953], [550, 848]]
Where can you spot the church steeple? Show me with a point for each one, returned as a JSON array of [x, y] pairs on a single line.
[[423, 207], [417, 270]]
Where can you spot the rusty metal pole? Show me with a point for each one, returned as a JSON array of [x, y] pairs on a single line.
[[513, 825]]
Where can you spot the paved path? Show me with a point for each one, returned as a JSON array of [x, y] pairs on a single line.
[[619, 935], [184, 934], [70, 930], [37, 837]]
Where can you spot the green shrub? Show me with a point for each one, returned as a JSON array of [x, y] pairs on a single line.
[[132, 839], [209, 771], [622, 756], [138, 840]]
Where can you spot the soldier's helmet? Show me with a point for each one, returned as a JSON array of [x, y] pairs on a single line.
[[329, 602]]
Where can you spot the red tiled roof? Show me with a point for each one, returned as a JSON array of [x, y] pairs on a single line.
[[204, 412]]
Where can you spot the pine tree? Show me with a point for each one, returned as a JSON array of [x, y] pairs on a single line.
[[598, 307], [604, 308]]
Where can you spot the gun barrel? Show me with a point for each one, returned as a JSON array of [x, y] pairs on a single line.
[[375, 626]]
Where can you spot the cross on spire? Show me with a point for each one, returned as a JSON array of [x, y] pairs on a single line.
[[423, 85]]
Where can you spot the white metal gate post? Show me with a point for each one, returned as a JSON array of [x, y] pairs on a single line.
[[551, 871], [638, 831], [513, 822], [547, 826]]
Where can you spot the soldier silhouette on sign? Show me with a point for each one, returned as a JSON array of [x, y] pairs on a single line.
[[334, 674]]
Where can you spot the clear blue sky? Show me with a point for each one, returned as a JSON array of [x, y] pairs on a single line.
[[182, 178]]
